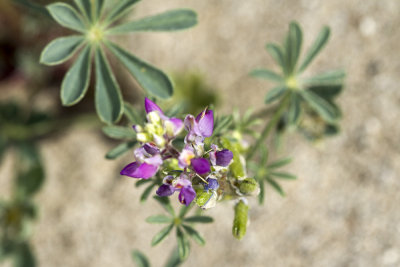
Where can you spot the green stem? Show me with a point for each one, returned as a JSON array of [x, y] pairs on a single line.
[[269, 126]]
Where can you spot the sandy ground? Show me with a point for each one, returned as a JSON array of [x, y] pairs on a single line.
[[343, 210]]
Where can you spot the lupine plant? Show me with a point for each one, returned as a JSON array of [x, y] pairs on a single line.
[[203, 158]]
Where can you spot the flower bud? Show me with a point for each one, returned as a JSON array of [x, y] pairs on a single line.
[[240, 219], [249, 186]]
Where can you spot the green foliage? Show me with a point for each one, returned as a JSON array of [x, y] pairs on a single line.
[[95, 29], [298, 89], [240, 220], [140, 259]]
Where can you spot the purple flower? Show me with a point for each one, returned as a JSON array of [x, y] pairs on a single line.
[[150, 106], [201, 165], [201, 126], [182, 184], [220, 158], [148, 160], [212, 184]]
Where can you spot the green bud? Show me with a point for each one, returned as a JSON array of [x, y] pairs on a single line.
[[202, 198], [240, 219], [249, 186]]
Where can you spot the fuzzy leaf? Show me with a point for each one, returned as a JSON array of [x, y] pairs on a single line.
[[294, 108], [172, 20], [183, 244], [327, 92], [76, 81], [279, 163], [119, 132], [120, 9], [150, 78], [194, 234], [327, 78], [315, 48], [240, 220], [276, 186], [85, 8], [146, 193], [159, 219], [293, 46], [161, 235], [199, 219], [132, 114], [277, 54], [283, 175], [320, 105], [275, 94], [165, 203], [120, 149], [66, 16], [267, 74], [60, 50], [109, 104], [140, 259]]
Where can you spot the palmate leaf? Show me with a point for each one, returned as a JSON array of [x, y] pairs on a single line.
[[279, 163], [327, 78], [183, 244], [150, 78], [199, 219], [76, 81], [328, 92], [140, 259], [292, 46], [161, 235], [325, 109], [277, 54], [85, 7], [275, 94], [283, 175], [60, 50], [120, 149], [172, 20], [174, 260], [267, 74], [159, 219], [275, 185], [98, 8], [165, 203], [294, 108], [109, 104], [119, 132], [67, 16], [120, 9], [318, 44], [194, 234]]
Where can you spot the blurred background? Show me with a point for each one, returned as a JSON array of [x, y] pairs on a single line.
[[342, 211]]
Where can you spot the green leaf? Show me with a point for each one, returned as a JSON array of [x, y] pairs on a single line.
[[327, 92], [142, 182], [120, 149], [66, 16], [184, 210], [31, 174], [140, 259], [146, 193], [76, 82], [153, 80], [60, 50], [315, 48], [119, 132], [320, 105], [132, 114], [261, 195], [120, 9], [98, 5], [199, 219], [159, 219], [24, 256], [194, 234], [267, 74], [183, 244], [108, 96], [172, 20], [294, 108], [275, 94], [283, 175], [222, 123], [293, 46], [279, 163], [161, 235], [165, 203], [277, 54], [173, 260], [276, 186], [240, 220], [328, 78], [3, 147], [85, 8]]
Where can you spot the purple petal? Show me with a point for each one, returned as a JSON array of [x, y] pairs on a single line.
[[151, 148], [154, 160], [178, 125], [187, 195], [139, 170], [165, 190], [212, 184], [205, 122], [201, 165], [150, 106], [224, 157]]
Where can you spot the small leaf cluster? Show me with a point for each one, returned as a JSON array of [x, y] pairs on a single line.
[[94, 27], [182, 224], [302, 96]]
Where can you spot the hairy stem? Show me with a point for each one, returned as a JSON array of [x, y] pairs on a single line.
[[269, 126]]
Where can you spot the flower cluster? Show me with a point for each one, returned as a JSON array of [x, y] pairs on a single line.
[[197, 173]]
